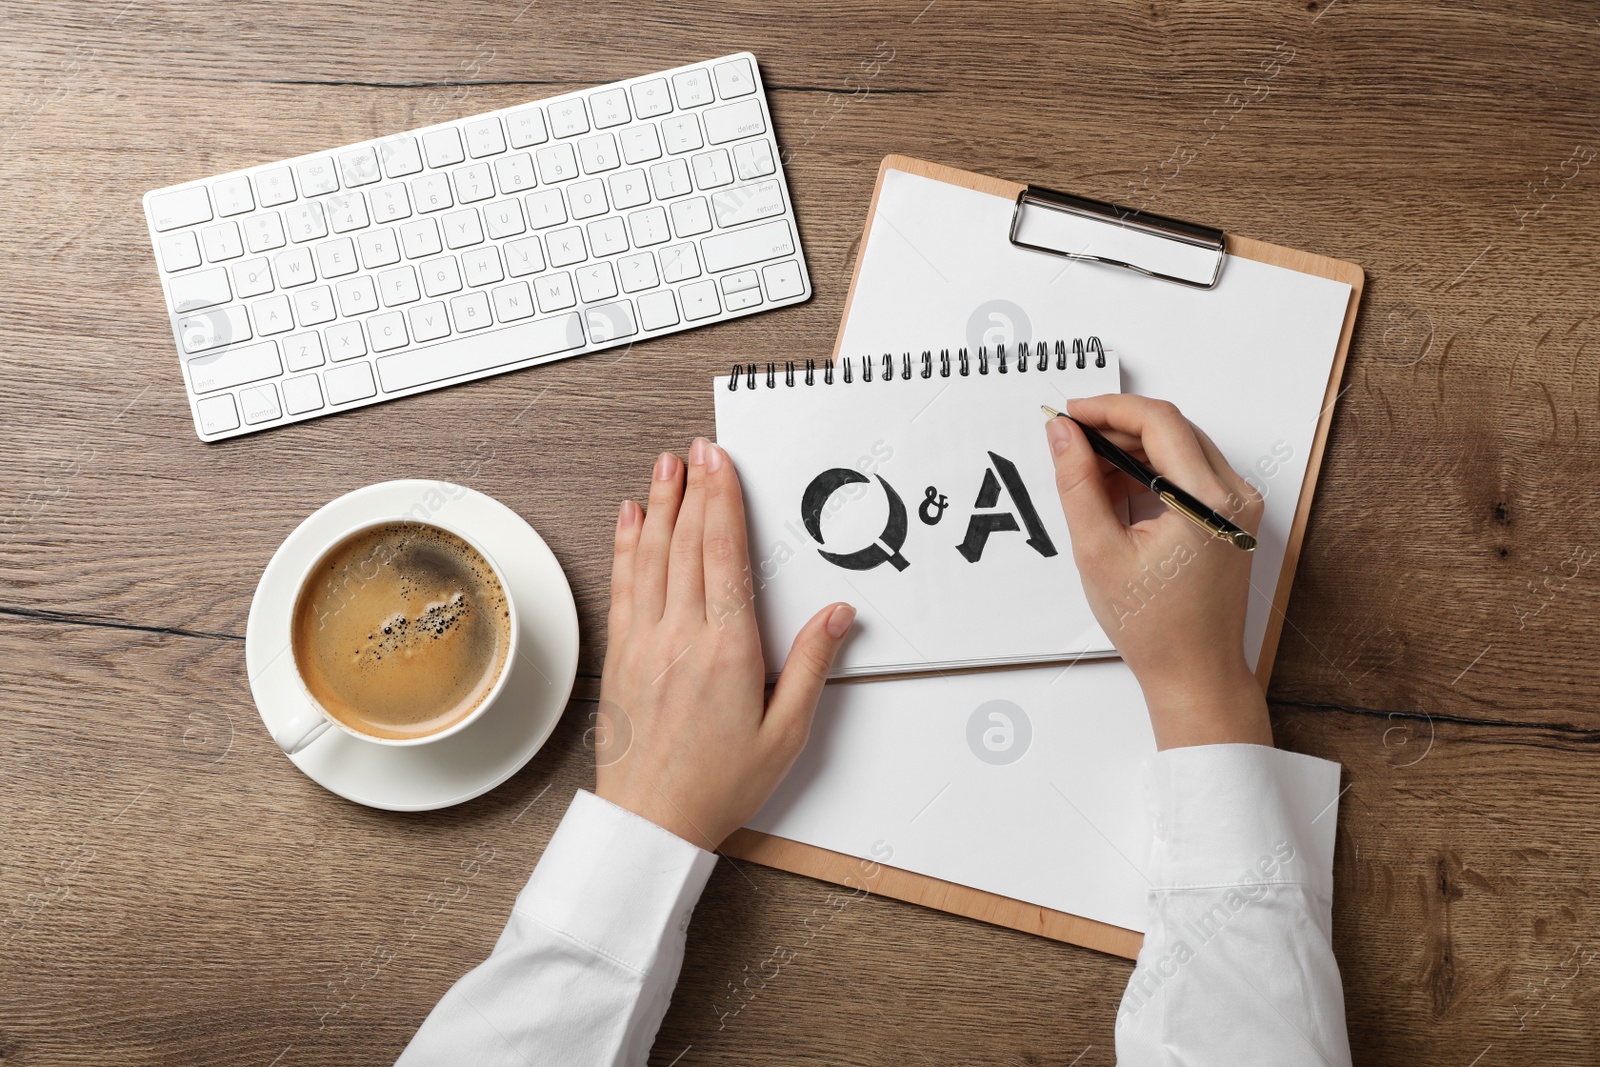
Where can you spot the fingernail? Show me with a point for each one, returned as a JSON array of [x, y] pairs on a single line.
[[839, 621], [697, 452], [1059, 436], [626, 513], [666, 466], [714, 457]]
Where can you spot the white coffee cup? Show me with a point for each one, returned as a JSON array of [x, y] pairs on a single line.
[[312, 720]]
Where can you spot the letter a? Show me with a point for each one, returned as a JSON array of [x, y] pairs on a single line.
[[979, 527]]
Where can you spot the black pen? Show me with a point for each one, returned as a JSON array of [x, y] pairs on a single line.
[[1183, 503]]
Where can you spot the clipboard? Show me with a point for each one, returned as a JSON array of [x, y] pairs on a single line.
[[1171, 252]]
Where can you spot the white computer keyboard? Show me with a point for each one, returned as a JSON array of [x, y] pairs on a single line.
[[469, 248]]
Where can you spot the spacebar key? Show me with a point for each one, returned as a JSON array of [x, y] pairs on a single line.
[[751, 244], [480, 352]]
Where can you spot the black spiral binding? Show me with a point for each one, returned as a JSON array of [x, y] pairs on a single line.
[[1020, 359]]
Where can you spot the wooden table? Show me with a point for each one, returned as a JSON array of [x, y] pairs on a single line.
[[173, 891]]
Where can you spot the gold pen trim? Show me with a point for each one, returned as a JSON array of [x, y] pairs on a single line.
[[1240, 540]]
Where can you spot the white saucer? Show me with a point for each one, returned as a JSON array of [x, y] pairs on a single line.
[[505, 738]]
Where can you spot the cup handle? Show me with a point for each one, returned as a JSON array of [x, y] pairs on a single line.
[[305, 727]]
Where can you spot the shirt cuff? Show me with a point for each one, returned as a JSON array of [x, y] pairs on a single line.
[[617, 883], [1228, 815]]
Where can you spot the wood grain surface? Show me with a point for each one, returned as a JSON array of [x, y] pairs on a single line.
[[173, 892]]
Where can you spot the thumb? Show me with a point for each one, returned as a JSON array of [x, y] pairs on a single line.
[[794, 698], [1084, 499]]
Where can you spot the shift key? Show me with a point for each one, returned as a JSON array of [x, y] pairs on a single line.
[[740, 248]]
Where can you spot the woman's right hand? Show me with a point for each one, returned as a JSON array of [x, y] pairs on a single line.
[[1171, 598]]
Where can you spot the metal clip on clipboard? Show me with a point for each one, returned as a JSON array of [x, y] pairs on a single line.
[[1076, 227]]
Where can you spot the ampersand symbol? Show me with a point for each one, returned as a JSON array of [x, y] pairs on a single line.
[[934, 503]]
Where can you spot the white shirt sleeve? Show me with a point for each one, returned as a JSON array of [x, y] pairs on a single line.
[[1237, 965], [584, 970]]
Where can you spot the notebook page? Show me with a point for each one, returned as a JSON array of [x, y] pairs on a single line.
[[928, 503]]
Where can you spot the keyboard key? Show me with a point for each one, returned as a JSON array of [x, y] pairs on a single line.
[[431, 192], [480, 352], [640, 144], [359, 166], [599, 153], [524, 257], [293, 267], [179, 251], [314, 306], [610, 107], [753, 159], [746, 298], [512, 302], [545, 208], [317, 176], [182, 208], [608, 322], [554, 292], [306, 221], [566, 247], [596, 282], [387, 331], [744, 279], [234, 366], [747, 203], [691, 217], [473, 183], [463, 228], [482, 266], [484, 138], [302, 394], [344, 342], [692, 88], [263, 233], [568, 118], [303, 351], [470, 312], [260, 404], [649, 227], [441, 148], [390, 203], [734, 78], [398, 286], [712, 169], [681, 133], [357, 296], [733, 121], [400, 155], [699, 300], [651, 98], [214, 329], [741, 248], [272, 316], [379, 248], [638, 272], [420, 237], [670, 179], [353, 381], [588, 198], [527, 127], [232, 196], [679, 262], [336, 258], [253, 277], [347, 212], [429, 322], [628, 189], [658, 310], [274, 186], [202, 289], [440, 276], [783, 280], [556, 163], [222, 241], [503, 218], [217, 414], [515, 173]]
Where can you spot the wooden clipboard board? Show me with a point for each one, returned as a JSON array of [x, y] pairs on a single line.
[[860, 875]]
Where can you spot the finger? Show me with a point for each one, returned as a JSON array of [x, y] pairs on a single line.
[[729, 588], [686, 586], [625, 543], [1244, 509], [1096, 530], [794, 698], [1168, 439], [655, 539]]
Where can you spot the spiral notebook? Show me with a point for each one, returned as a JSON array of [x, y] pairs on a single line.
[[918, 487]]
